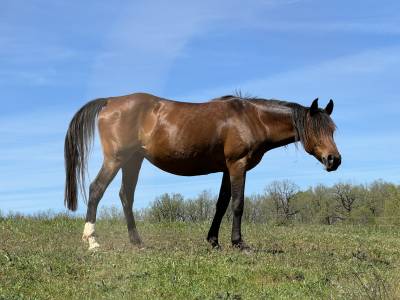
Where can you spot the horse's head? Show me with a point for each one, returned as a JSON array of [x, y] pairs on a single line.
[[317, 136]]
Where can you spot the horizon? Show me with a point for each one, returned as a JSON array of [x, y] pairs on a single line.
[[57, 56], [105, 211]]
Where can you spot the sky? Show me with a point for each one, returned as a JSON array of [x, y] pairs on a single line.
[[57, 55]]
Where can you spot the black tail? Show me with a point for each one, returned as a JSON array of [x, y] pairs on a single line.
[[78, 142]]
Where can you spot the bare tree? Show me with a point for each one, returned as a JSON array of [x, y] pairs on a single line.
[[347, 197], [282, 193], [344, 196]]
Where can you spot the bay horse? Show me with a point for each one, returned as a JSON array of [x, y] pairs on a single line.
[[229, 134]]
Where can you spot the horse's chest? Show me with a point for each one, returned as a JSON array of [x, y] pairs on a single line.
[[254, 158]]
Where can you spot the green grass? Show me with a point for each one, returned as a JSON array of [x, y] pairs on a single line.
[[45, 259]]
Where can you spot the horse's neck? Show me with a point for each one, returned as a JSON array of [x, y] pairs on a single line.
[[279, 125]]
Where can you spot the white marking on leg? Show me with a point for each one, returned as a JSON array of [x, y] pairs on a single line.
[[88, 235], [88, 231]]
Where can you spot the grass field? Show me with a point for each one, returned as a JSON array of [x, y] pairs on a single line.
[[45, 259]]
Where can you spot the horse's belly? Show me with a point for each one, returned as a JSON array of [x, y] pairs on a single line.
[[184, 146], [187, 165]]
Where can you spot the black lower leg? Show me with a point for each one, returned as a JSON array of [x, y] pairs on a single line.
[[222, 205], [127, 204], [237, 186], [130, 173]]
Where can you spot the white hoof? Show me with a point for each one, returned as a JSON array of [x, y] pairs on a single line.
[[93, 245]]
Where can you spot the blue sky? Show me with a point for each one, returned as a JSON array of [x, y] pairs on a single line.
[[57, 55]]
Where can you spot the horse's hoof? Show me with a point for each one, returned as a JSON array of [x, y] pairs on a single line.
[[242, 246], [140, 246], [93, 244], [216, 247], [137, 244], [94, 247], [214, 244]]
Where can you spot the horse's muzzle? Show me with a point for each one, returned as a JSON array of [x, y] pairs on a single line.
[[332, 162]]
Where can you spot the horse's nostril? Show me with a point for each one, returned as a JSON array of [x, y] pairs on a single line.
[[331, 158]]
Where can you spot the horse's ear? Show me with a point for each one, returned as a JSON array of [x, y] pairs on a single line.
[[329, 107], [314, 107]]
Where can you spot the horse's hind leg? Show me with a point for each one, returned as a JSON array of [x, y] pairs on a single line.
[[97, 188], [130, 174]]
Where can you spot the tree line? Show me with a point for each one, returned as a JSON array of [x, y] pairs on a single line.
[[282, 202]]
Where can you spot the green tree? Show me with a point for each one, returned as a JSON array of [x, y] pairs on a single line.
[[168, 208]]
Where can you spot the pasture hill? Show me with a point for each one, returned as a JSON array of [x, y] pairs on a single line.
[[314, 249]]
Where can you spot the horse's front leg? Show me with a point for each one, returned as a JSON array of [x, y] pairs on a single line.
[[222, 204], [237, 173]]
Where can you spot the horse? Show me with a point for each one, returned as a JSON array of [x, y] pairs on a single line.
[[229, 134]]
